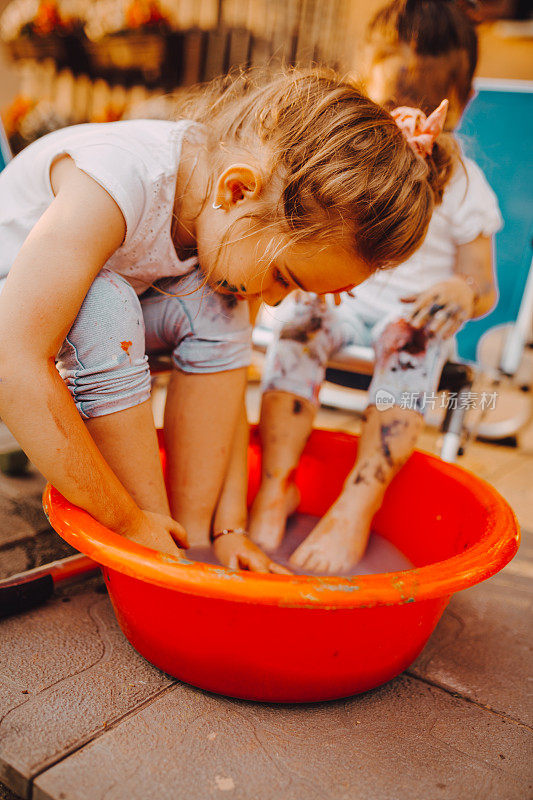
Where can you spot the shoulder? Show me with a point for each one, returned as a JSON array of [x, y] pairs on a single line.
[[138, 140], [144, 140], [150, 136], [469, 204], [128, 159], [468, 184]]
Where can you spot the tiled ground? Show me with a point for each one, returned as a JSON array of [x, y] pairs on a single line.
[[83, 717]]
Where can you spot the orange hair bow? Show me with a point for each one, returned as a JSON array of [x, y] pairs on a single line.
[[419, 130]]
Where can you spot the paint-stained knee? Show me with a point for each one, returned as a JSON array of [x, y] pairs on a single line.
[[102, 359], [398, 343], [110, 319]]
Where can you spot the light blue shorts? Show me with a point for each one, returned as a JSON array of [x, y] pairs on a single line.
[[309, 332], [103, 360]]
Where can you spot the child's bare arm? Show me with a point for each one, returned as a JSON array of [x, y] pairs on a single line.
[[43, 293], [475, 262]]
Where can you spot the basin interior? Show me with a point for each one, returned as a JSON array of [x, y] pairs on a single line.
[[427, 514], [380, 555]]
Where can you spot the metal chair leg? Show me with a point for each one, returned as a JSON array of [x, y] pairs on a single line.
[[460, 380]]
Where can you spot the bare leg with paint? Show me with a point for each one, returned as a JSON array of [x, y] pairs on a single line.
[[339, 540], [294, 370], [403, 360], [231, 511], [407, 357], [285, 425]]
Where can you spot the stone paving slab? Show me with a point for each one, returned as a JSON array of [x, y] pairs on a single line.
[[515, 485], [21, 512], [7, 794], [525, 552], [405, 741], [68, 675], [482, 646], [41, 548], [26, 538], [66, 672]]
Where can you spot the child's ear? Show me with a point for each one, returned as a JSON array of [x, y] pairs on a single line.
[[237, 183]]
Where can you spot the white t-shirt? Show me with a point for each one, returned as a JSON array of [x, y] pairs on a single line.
[[469, 209], [135, 161]]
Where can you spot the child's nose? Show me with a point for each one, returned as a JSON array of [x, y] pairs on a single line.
[[275, 294]]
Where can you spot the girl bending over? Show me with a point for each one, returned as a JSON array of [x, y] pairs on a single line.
[[127, 238]]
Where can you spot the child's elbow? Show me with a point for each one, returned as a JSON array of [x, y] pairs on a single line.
[[487, 302], [14, 357], [9, 369], [6, 356]]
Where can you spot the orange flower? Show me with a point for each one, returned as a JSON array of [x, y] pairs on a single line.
[[111, 113], [13, 115], [47, 18], [144, 12]]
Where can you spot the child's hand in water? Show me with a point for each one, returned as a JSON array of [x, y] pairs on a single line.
[[444, 308], [158, 532], [237, 551]]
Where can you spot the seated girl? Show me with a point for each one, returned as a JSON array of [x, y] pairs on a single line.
[[417, 53]]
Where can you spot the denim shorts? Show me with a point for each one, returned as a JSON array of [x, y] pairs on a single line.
[[103, 360]]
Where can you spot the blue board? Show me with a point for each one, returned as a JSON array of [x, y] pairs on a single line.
[[5, 152], [497, 133]]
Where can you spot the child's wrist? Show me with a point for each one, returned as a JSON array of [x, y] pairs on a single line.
[[216, 535], [130, 520], [230, 516], [473, 286]]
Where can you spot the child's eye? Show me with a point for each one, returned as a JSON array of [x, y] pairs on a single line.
[[278, 277]]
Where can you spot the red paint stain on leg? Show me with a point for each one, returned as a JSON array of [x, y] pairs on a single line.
[[400, 336]]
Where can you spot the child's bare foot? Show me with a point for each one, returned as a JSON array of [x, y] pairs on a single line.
[[337, 543], [268, 518]]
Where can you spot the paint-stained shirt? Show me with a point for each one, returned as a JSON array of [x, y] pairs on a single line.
[[135, 161]]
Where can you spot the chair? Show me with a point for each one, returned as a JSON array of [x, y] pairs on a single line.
[[496, 132], [5, 150], [489, 136]]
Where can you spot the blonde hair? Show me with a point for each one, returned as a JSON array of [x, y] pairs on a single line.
[[341, 168]]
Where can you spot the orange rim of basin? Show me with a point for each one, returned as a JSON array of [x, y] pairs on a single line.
[[488, 555]]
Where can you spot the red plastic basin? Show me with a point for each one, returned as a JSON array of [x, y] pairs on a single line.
[[300, 638]]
